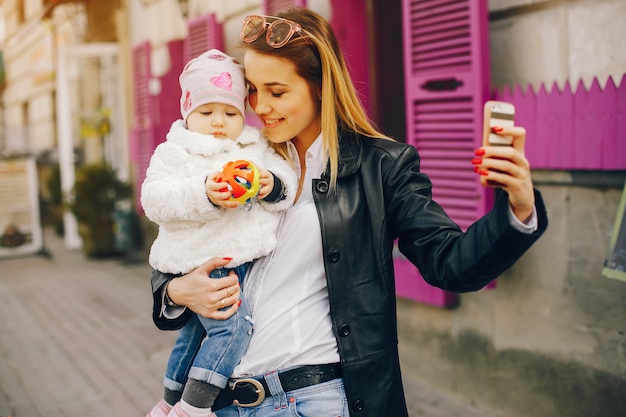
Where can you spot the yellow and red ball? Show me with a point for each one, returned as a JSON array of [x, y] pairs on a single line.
[[242, 180]]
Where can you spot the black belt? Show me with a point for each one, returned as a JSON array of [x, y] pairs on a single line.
[[250, 392]]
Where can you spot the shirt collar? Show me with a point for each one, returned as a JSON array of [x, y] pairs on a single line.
[[314, 157]]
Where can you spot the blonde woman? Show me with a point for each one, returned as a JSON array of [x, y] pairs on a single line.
[[323, 303]]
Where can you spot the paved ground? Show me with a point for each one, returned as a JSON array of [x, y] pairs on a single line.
[[77, 340]]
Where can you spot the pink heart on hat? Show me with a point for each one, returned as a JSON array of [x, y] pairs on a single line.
[[222, 81]]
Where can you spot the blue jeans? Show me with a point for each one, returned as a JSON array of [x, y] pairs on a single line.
[[327, 399], [214, 360]]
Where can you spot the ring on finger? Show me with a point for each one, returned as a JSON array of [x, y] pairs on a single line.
[[227, 291], [222, 303]]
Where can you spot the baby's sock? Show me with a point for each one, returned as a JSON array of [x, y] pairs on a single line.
[[171, 397], [200, 395]]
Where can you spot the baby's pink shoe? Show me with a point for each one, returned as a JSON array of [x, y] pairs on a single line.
[[177, 411], [161, 409]]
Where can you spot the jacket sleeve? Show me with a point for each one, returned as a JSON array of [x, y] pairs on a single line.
[[169, 195], [159, 280], [446, 257]]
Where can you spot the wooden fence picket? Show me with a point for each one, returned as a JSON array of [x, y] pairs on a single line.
[[579, 129]]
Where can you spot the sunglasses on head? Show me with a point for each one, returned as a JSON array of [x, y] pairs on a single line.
[[279, 32]]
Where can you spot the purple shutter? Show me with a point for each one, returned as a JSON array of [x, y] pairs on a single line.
[[143, 134], [168, 100], [271, 7], [446, 66], [204, 33], [154, 111], [349, 22]]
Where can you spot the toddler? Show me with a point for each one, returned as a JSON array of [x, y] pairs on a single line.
[[198, 221]]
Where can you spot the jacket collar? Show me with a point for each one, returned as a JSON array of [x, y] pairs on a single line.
[[350, 152]]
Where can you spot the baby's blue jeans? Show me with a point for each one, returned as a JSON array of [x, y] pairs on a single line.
[[213, 360]]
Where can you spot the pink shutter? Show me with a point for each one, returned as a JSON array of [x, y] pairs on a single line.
[[446, 66], [154, 112], [142, 136], [168, 100], [141, 77], [271, 7], [204, 33], [349, 22]]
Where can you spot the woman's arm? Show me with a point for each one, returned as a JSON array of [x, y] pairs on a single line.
[[194, 292], [446, 257]]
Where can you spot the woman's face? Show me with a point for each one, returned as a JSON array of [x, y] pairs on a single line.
[[282, 99]]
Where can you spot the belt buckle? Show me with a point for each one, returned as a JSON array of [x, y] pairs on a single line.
[[259, 390]]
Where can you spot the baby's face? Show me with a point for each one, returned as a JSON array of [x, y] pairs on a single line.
[[217, 119]]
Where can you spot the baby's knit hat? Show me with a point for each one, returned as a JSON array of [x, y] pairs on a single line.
[[212, 77]]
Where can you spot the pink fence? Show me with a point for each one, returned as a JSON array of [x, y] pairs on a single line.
[[573, 129]]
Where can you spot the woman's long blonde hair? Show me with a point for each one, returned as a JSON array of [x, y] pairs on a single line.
[[318, 59]]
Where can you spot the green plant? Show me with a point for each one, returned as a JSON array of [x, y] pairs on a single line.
[[95, 193]]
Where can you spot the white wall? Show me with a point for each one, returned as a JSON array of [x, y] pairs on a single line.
[[557, 42]]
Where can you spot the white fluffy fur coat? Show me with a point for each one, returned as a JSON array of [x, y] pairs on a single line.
[[191, 229]]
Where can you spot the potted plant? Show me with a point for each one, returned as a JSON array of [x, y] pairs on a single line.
[[95, 194]]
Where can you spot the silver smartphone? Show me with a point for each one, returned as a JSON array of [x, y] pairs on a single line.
[[498, 113]]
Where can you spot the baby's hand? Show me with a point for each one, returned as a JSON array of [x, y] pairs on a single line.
[[218, 192], [266, 183]]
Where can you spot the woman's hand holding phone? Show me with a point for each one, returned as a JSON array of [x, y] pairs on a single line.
[[501, 163]]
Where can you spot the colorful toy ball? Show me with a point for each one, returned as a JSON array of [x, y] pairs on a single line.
[[242, 179]]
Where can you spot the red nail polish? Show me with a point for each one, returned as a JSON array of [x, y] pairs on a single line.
[[476, 169], [238, 303], [483, 172], [477, 161], [496, 129], [227, 259], [479, 152]]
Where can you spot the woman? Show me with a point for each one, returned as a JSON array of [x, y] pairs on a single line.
[[323, 303]]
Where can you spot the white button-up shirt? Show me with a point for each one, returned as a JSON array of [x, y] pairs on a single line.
[[287, 292]]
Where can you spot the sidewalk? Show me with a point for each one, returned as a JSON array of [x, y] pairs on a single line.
[[77, 340]]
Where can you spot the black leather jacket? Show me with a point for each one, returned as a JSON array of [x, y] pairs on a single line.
[[381, 196]]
